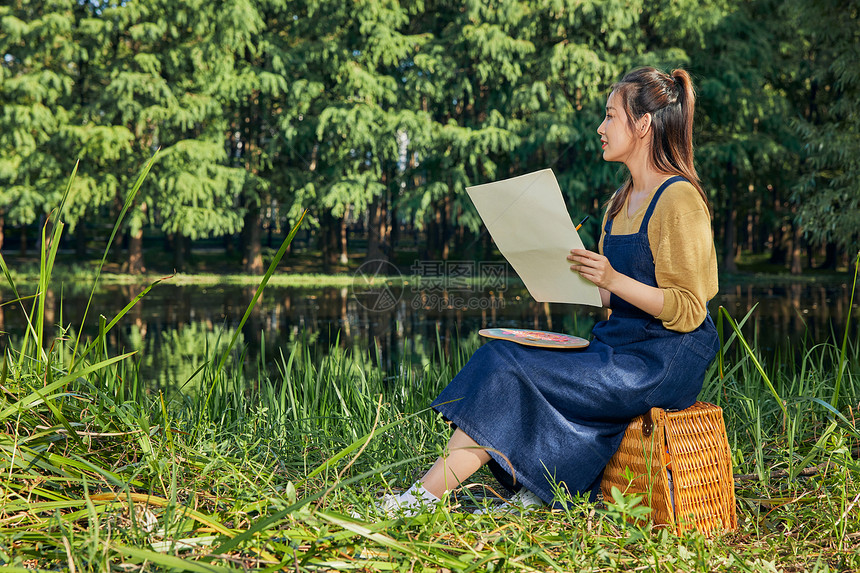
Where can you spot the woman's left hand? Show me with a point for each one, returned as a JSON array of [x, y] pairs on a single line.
[[592, 266]]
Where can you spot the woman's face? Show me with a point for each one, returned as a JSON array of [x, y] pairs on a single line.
[[616, 133]]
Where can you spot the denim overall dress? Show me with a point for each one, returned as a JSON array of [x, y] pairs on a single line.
[[554, 418]]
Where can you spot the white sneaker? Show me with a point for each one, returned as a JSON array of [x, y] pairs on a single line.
[[521, 502], [407, 504]]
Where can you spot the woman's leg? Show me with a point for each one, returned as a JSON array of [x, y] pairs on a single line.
[[464, 457]]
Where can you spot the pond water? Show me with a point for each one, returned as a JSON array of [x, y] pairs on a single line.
[[174, 327]]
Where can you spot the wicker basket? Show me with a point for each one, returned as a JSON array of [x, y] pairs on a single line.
[[691, 444]]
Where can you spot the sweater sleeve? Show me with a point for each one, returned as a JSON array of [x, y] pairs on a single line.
[[685, 260]]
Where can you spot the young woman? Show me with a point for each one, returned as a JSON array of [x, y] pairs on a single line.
[[547, 418]]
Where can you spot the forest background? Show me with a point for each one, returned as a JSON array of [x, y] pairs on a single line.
[[376, 114]]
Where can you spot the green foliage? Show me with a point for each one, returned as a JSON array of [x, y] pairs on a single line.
[[197, 191], [382, 112], [36, 83], [827, 195]]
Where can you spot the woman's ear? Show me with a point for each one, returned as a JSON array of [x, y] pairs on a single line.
[[644, 124]]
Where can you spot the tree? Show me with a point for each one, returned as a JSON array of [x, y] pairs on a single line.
[[582, 49], [352, 56], [36, 80], [828, 193], [744, 151], [266, 91], [167, 63], [107, 151], [463, 77]]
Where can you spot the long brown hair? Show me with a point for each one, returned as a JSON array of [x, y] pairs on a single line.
[[671, 101]]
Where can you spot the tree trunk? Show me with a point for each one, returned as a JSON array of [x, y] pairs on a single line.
[[393, 229], [811, 253], [729, 263], [135, 253], [377, 248], [438, 231], [762, 230], [252, 262], [796, 249], [487, 243], [781, 245], [116, 248], [328, 240], [446, 228], [178, 252], [729, 230], [430, 232], [23, 248], [169, 243], [749, 232], [344, 254], [831, 257], [135, 247]]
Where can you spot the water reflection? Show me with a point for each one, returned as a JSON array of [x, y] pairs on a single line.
[[174, 328], [787, 314]]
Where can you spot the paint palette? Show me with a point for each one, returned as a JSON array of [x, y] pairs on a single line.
[[539, 338]]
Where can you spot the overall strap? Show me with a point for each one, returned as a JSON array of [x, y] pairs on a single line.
[[643, 228]]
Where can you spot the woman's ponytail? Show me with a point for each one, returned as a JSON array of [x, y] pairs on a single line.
[[687, 101]]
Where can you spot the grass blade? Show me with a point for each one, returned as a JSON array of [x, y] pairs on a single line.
[[841, 368], [169, 562], [28, 400], [271, 270], [129, 201], [755, 361]]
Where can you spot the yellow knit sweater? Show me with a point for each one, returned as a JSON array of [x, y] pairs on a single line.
[[682, 244]]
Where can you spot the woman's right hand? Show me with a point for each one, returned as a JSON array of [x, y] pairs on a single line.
[[593, 267], [596, 268]]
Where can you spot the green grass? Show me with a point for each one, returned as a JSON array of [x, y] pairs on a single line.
[[235, 472]]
